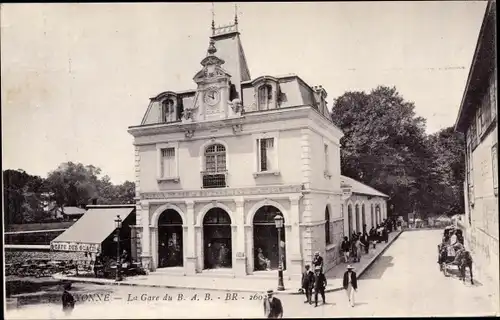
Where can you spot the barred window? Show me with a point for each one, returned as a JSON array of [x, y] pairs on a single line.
[[328, 238]]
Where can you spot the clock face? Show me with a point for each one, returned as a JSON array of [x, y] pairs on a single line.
[[212, 96]]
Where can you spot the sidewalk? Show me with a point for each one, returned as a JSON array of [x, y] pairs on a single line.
[[246, 284]]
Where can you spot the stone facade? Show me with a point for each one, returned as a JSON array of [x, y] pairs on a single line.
[[477, 119]]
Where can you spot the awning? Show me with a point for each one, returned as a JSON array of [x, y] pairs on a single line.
[[90, 230]]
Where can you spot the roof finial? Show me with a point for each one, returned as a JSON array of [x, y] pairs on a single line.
[[236, 14], [213, 19]]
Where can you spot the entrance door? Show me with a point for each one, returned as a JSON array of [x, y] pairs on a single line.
[[170, 246], [265, 238], [217, 239]]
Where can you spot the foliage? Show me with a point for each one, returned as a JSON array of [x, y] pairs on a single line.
[[22, 196], [385, 146], [70, 184]]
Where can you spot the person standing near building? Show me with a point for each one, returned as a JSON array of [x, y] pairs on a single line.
[[319, 285], [273, 309], [308, 283], [350, 284], [317, 261], [345, 249], [358, 244]]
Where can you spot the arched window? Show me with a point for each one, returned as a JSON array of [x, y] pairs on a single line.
[[328, 238], [265, 96], [215, 158], [214, 175], [168, 110]]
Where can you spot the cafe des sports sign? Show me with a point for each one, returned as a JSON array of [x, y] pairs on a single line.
[[75, 247]]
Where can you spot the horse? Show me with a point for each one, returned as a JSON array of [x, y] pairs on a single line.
[[462, 259], [465, 261]]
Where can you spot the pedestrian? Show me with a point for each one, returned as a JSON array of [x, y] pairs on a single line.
[[317, 261], [68, 301], [319, 285], [359, 246], [345, 249], [350, 284], [308, 283], [385, 235], [273, 309], [364, 241]]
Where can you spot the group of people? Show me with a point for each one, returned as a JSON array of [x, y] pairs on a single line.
[[359, 242], [451, 243], [314, 280]]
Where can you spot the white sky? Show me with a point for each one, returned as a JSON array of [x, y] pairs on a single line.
[[75, 76]]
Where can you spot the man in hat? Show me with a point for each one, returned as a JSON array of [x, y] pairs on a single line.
[[272, 306], [317, 261], [319, 285], [308, 283], [350, 284]]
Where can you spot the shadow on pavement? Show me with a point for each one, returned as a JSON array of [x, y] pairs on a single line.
[[378, 268]]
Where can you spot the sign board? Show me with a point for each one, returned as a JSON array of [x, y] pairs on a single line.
[[346, 191], [75, 247]]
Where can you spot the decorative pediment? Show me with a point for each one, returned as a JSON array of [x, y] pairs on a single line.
[[206, 74], [164, 95]]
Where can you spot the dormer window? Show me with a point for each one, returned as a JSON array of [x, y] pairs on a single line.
[[168, 110], [265, 96]]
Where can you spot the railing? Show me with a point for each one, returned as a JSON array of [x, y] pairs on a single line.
[[214, 179]]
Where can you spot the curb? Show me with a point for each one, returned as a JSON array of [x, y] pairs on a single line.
[[289, 292]]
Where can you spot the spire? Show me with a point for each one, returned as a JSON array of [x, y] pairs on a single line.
[[235, 14], [213, 19]]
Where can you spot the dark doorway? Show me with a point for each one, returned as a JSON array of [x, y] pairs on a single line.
[[265, 238], [349, 220], [170, 239], [217, 239]]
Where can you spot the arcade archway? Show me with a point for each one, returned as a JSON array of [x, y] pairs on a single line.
[[265, 238], [349, 220], [217, 239], [170, 246]]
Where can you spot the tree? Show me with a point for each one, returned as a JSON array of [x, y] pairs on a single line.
[[73, 184], [384, 145], [448, 170], [22, 196]]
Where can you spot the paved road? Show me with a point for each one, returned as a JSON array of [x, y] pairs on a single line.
[[405, 281]]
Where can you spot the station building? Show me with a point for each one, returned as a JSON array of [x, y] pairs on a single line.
[[216, 164]]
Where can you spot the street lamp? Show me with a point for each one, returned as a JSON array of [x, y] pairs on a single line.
[[118, 226], [278, 220]]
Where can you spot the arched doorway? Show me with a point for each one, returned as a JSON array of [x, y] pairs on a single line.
[[377, 214], [372, 217], [349, 220], [363, 218], [358, 229], [328, 236], [217, 239], [265, 237], [170, 239]]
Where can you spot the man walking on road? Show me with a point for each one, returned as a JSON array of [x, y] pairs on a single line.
[[319, 285], [273, 308], [345, 249], [350, 284], [308, 283]]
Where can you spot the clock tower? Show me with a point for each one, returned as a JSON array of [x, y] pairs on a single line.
[[212, 99]]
